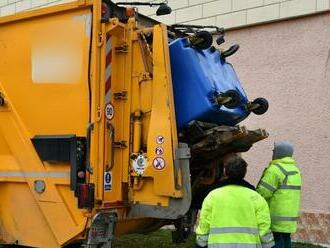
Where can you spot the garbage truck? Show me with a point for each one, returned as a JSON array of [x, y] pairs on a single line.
[[112, 123]]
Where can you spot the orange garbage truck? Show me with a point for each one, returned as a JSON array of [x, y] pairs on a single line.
[[90, 145]]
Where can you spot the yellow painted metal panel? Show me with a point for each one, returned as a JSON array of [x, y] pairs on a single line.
[[21, 219], [117, 79], [44, 79], [51, 205], [162, 119], [44, 69], [145, 194]]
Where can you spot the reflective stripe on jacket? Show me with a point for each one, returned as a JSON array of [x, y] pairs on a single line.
[[280, 185], [235, 217]]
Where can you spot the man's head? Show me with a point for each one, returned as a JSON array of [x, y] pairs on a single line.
[[235, 167], [282, 149]]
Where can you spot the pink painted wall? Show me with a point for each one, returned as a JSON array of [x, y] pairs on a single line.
[[288, 62]]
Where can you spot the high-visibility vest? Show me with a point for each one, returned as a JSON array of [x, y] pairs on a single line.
[[234, 217], [280, 185]]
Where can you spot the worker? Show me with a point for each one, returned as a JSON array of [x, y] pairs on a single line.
[[280, 185], [234, 215]]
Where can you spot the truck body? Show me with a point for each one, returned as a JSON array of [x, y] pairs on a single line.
[[89, 146]]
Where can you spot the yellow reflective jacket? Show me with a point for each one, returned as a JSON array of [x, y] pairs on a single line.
[[234, 216], [280, 185]]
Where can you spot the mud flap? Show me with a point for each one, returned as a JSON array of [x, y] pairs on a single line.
[[101, 232]]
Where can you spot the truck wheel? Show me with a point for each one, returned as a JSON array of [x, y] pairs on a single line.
[[201, 40], [259, 106]]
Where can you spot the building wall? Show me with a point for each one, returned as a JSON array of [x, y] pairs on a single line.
[[237, 13], [225, 13], [288, 62], [9, 7]]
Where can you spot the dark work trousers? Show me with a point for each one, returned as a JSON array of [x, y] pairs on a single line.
[[282, 240]]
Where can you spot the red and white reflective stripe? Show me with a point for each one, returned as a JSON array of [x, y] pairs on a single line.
[[108, 58]]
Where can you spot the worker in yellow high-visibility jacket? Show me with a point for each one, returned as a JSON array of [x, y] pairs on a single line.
[[280, 185], [234, 215]]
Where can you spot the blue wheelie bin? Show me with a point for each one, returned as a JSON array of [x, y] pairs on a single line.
[[206, 87]]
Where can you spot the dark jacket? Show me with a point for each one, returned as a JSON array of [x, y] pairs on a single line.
[[226, 182]]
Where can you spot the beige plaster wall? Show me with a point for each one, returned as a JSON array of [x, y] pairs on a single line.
[[289, 63], [225, 13]]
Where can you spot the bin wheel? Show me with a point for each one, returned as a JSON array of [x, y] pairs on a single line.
[[230, 99], [259, 106], [201, 40], [233, 49]]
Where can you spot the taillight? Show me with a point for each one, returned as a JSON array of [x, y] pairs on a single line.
[[85, 193]]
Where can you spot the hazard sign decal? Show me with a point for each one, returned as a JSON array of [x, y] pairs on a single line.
[[159, 163], [159, 150], [160, 139], [107, 181]]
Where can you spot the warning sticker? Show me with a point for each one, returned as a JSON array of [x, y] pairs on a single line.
[[109, 111], [159, 151], [160, 139], [107, 181], [159, 163]]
